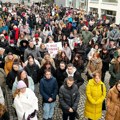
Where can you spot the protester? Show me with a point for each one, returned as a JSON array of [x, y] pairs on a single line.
[[69, 99], [22, 75], [48, 95], [72, 71], [25, 31], [25, 102], [114, 71], [113, 103], [32, 70], [12, 75], [95, 92], [9, 59], [94, 65], [4, 115], [59, 74]]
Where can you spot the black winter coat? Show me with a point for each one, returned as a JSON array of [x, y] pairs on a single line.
[[11, 78], [105, 60], [33, 71], [69, 97], [59, 76]]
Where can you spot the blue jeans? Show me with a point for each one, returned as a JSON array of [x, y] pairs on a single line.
[[48, 109]]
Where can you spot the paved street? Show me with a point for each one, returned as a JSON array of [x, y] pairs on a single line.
[[58, 113]]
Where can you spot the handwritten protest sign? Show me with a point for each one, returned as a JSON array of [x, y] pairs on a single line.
[[53, 48]]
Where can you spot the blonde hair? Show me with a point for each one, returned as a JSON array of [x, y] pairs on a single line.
[[2, 109], [17, 92]]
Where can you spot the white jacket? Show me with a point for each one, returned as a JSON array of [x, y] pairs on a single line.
[[25, 104]]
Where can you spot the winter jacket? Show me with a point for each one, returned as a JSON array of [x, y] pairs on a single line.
[[25, 104], [91, 53], [42, 52], [59, 74], [9, 63], [4, 44], [11, 78], [2, 61], [2, 77], [48, 89], [30, 84], [87, 36], [76, 75], [94, 66], [113, 105], [95, 93], [115, 75], [34, 52], [69, 97], [68, 52], [105, 61], [33, 72], [14, 49]]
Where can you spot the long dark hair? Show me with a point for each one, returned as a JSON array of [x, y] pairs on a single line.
[[78, 62], [19, 76], [117, 89]]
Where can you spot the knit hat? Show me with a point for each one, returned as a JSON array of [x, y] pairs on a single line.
[[21, 84]]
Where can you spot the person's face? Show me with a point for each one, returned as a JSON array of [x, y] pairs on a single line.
[[63, 54], [15, 67], [104, 51], [76, 58], [47, 57], [75, 32], [23, 75], [70, 70], [43, 46], [48, 66], [118, 87], [31, 61], [31, 44], [97, 79], [118, 59], [22, 90], [70, 83], [96, 47], [10, 56], [65, 45], [64, 37], [62, 66], [48, 75], [2, 52], [24, 44]]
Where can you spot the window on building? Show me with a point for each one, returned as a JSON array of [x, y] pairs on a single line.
[[94, 0], [112, 1]]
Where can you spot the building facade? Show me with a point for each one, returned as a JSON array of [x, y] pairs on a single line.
[[110, 8], [72, 3]]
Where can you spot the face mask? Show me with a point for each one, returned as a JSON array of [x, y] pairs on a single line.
[[12, 45], [2, 40]]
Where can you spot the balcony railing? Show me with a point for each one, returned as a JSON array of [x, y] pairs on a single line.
[[110, 1]]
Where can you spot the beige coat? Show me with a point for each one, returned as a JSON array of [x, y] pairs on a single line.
[[94, 66], [113, 105]]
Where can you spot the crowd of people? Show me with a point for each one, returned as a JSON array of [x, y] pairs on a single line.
[[90, 45]]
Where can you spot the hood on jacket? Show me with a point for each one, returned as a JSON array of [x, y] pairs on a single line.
[[14, 57], [74, 70]]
